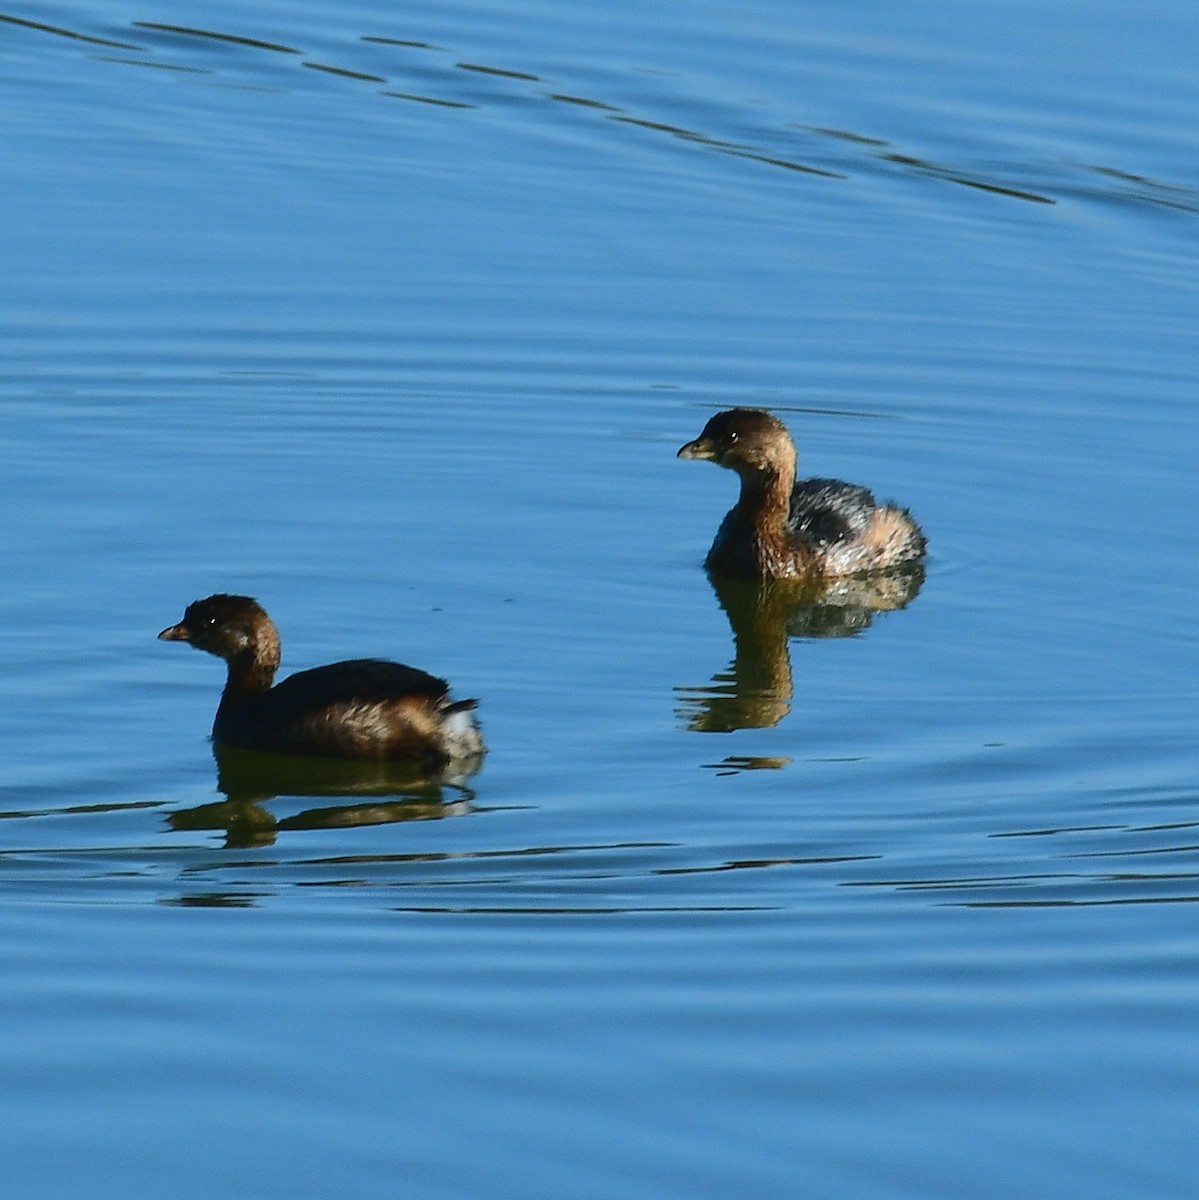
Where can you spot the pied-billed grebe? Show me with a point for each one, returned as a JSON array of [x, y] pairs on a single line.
[[781, 528], [363, 709]]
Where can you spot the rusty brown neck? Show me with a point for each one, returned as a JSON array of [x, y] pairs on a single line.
[[766, 499]]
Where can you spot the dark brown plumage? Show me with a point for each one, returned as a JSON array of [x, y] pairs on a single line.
[[360, 709]]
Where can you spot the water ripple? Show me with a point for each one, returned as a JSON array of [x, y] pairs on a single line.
[[799, 148]]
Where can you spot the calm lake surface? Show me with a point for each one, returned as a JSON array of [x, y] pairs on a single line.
[[393, 316]]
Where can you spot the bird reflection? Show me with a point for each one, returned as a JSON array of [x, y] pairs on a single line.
[[755, 690], [382, 792]]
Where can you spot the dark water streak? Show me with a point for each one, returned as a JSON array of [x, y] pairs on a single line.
[[872, 153]]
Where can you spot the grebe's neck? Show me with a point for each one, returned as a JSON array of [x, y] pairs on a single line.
[[252, 670], [765, 499], [756, 540]]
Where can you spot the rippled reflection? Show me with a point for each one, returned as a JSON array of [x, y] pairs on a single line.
[[399, 791], [755, 690]]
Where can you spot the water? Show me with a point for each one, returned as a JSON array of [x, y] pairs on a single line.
[[401, 338]]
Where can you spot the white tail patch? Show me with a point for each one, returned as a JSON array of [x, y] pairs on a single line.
[[460, 734]]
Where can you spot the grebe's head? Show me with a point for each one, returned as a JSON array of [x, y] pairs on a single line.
[[227, 626], [746, 440]]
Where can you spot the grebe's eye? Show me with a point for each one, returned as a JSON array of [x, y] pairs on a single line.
[[732, 437]]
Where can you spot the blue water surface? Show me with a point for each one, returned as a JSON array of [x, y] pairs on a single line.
[[394, 317]]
